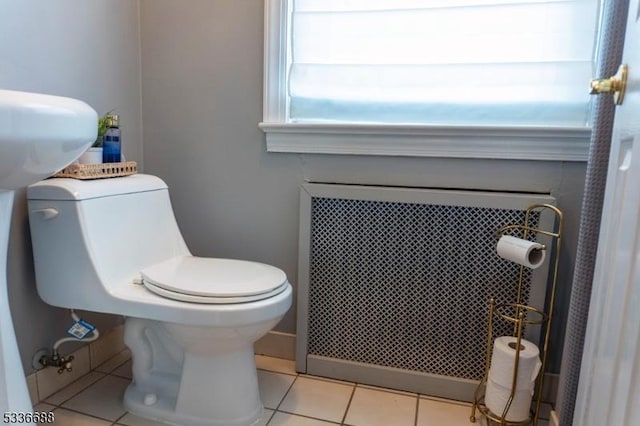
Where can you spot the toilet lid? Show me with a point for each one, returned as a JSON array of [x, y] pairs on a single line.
[[211, 280]]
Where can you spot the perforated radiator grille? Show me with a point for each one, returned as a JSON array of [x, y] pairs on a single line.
[[406, 285]]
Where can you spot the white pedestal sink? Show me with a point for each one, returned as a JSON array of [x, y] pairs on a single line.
[[39, 135]]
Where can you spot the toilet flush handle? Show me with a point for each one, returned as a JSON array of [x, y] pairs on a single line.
[[48, 213]]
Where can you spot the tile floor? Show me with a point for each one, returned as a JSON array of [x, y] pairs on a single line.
[[290, 399]]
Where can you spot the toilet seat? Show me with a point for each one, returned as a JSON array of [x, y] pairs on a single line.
[[213, 281]]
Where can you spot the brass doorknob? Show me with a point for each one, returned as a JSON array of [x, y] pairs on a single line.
[[615, 85]]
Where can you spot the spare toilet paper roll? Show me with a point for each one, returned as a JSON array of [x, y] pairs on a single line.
[[501, 373], [503, 361], [521, 251], [496, 398]]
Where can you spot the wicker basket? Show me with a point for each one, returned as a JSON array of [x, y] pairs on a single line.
[[98, 171]]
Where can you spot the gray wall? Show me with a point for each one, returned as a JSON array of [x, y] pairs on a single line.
[[83, 49], [202, 101]]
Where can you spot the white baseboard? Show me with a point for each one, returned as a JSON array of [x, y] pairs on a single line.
[[277, 344]]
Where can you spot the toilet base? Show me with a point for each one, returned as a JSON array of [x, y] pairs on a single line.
[[163, 410], [193, 376]]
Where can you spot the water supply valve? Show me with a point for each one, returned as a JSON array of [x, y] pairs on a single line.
[[55, 360], [66, 365]]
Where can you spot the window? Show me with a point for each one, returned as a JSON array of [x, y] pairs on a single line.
[[430, 77]]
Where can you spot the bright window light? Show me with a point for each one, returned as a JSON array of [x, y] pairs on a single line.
[[487, 62]]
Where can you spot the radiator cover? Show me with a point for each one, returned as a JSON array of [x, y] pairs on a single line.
[[394, 284]]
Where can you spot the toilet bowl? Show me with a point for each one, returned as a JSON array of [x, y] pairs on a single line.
[[113, 246]]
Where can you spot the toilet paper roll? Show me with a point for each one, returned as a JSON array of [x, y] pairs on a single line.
[[521, 251], [497, 396], [503, 361], [501, 373]]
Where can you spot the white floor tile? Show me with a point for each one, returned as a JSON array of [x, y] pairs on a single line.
[[317, 398], [278, 365], [266, 416], [43, 406], [308, 401], [69, 418], [102, 399], [49, 381], [45, 409], [114, 362], [74, 388], [133, 420], [371, 407], [273, 387], [283, 419], [32, 385], [438, 413], [124, 370]]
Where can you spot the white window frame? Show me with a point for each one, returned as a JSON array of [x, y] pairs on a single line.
[[496, 142]]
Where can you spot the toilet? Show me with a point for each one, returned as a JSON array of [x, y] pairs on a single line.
[[113, 246]]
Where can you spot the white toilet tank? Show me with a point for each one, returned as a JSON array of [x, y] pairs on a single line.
[[89, 237]]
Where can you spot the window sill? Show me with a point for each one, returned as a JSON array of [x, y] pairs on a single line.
[[503, 142]]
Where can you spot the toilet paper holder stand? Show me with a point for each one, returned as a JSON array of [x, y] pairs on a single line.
[[520, 315]]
